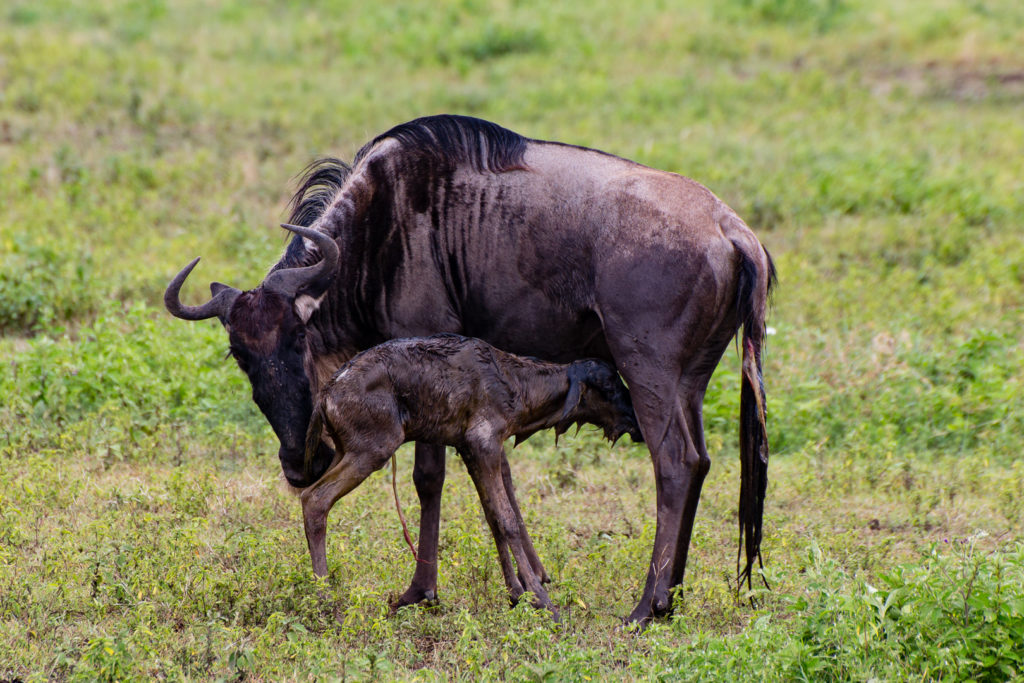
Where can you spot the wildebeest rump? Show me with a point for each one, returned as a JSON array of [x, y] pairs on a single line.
[[452, 224], [461, 392]]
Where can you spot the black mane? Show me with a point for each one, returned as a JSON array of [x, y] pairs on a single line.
[[446, 139], [320, 181], [451, 140]]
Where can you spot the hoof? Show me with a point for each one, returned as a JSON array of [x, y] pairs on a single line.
[[537, 602], [414, 596], [638, 619], [662, 607], [635, 624], [645, 612]]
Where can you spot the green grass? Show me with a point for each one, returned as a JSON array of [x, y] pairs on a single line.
[[876, 149]]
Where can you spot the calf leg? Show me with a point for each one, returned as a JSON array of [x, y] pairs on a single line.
[[513, 580], [428, 476], [506, 476], [319, 498], [484, 462]]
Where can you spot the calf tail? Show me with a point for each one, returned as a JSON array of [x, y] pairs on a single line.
[[313, 435], [755, 282]]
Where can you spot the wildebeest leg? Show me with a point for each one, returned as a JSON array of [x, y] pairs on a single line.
[[484, 461], [679, 474], [697, 373], [667, 398], [506, 475], [428, 475], [666, 345], [319, 498], [695, 427], [662, 392]]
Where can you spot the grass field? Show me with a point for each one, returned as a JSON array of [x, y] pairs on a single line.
[[876, 149]]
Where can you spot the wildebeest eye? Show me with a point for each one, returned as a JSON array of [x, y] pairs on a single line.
[[239, 358], [299, 339]]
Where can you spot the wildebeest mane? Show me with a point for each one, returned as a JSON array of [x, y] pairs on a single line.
[[320, 182], [451, 140], [447, 140]]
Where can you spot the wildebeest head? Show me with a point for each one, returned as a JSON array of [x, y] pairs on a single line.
[[267, 333], [596, 395]]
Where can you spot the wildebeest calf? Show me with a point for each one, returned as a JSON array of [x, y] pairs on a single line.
[[459, 392]]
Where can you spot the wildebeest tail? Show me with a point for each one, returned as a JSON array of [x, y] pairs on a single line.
[[313, 435], [755, 282]]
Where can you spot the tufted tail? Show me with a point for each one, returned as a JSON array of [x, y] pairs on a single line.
[[756, 279]]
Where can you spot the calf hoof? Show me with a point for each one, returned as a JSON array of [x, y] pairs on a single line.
[[537, 602]]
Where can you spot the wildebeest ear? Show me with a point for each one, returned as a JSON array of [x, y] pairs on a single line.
[[306, 305], [215, 289]]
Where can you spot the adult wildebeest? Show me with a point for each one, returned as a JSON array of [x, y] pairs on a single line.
[[453, 224], [461, 392]]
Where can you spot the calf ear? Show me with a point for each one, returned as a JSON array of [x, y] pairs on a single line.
[[575, 393], [305, 306]]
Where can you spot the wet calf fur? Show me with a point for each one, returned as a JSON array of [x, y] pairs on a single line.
[[461, 392]]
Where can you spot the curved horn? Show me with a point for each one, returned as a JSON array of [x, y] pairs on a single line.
[[217, 306], [313, 279]]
